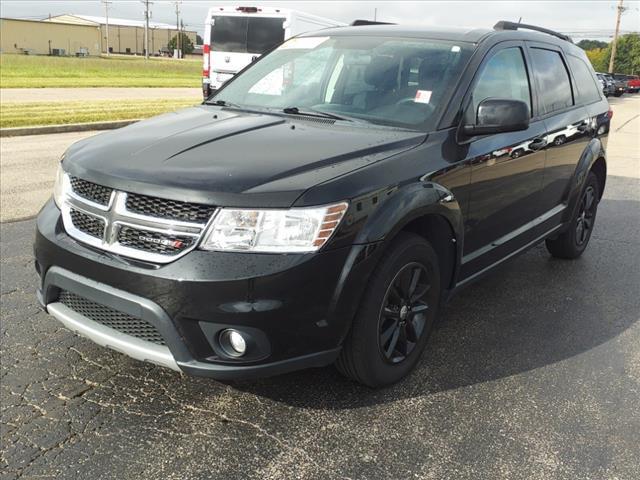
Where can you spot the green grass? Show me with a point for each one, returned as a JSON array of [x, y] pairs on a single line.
[[29, 71], [59, 113]]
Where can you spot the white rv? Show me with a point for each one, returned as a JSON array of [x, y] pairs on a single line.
[[235, 36]]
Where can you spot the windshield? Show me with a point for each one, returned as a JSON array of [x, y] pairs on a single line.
[[246, 35], [391, 81]]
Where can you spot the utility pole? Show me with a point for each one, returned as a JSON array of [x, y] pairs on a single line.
[[614, 47], [146, 28], [178, 39], [106, 15]]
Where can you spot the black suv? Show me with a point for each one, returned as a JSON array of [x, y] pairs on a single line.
[[323, 205]]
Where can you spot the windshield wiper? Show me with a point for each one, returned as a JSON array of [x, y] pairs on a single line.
[[223, 103], [313, 113]]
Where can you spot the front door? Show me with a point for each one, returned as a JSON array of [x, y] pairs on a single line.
[[506, 168]]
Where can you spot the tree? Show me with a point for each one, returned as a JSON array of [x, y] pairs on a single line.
[[591, 44], [627, 56], [187, 45], [199, 40], [599, 59]]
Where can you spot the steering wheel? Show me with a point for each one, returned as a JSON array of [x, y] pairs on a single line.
[[411, 101]]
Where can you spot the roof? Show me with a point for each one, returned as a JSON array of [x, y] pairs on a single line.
[[455, 34], [93, 20]]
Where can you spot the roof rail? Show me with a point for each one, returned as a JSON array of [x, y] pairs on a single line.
[[359, 23], [505, 25]]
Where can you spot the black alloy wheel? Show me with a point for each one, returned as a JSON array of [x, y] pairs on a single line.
[[403, 315], [397, 313], [571, 243], [586, 215]]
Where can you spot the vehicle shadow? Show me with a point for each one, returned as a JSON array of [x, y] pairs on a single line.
[[532, 312]]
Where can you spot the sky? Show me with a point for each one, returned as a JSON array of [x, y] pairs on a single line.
[[580, 18]]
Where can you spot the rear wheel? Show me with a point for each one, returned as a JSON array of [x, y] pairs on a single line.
[[574, 241], [396, 315]]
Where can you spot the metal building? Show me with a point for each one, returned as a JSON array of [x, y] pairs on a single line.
[[84, 35], [126, 36]]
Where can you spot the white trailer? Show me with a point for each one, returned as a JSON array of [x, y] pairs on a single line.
[[236, 36]]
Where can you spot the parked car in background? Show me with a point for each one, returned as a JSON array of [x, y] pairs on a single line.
[[236, 36], [619, 86], [325, 202], [608, 88], [632, 82]]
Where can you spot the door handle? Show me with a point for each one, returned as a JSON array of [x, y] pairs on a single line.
[[538, 143]]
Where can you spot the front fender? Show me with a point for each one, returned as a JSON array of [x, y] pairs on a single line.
[[591, 153], [405, 204]]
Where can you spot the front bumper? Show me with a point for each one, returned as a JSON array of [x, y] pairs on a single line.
[[295, 309]]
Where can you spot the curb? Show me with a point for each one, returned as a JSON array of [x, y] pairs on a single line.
[[71, 127]]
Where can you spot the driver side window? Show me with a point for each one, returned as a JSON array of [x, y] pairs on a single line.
[[504, 76]]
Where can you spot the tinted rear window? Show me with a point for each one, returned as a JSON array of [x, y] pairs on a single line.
[[245, 34], [587, 89], [553, 80], [264, 33]]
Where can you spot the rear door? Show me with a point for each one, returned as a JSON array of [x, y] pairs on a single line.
[[566, 120], [506, 168]]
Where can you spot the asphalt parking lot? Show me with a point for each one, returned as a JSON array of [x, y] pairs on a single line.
[[533, 373]]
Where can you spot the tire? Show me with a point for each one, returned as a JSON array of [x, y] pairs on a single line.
[[384, 316], [573, 242]]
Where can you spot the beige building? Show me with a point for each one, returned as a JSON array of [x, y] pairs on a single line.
[[81, 34], [35, 37], [126, 36]]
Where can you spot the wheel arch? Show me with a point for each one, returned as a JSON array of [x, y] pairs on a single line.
[[593, 159], [427, 209]]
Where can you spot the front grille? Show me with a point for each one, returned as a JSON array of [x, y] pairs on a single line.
[[170, 209], [155, 242], [91, 191], [138, 226], [87, 223], [122, 322]]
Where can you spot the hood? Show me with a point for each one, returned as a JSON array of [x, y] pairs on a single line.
[[223, 157]]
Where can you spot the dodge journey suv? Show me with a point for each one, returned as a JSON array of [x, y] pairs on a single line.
[[322, 205]]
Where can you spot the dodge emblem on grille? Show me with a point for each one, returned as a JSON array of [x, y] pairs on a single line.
[[162, 241]]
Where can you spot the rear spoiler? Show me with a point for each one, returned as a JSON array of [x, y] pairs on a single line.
[[360, 23]]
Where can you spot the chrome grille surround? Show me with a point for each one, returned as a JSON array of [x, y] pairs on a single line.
[[153, 230]]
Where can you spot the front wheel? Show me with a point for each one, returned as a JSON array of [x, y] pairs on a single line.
[[396, 315], [574, 241]]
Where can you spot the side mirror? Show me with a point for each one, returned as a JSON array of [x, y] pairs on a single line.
[[498, 115]]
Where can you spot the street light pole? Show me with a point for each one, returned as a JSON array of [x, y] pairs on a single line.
[[614, 46]]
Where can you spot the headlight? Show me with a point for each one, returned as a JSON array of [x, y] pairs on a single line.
[[59, 188], [292, 230]]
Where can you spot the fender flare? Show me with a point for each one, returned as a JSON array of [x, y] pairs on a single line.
[[590, 155], [401, 205]]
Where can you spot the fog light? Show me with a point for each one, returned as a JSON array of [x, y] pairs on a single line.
[[233, 343]]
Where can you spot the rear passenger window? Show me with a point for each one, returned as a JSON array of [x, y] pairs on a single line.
[[587, 89], [553, 80], [504, 76]]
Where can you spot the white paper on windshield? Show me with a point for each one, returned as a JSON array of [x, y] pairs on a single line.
[[303, 43], [422, 96]]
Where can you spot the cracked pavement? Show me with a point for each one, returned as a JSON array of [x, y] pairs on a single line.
[[533, 373]]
